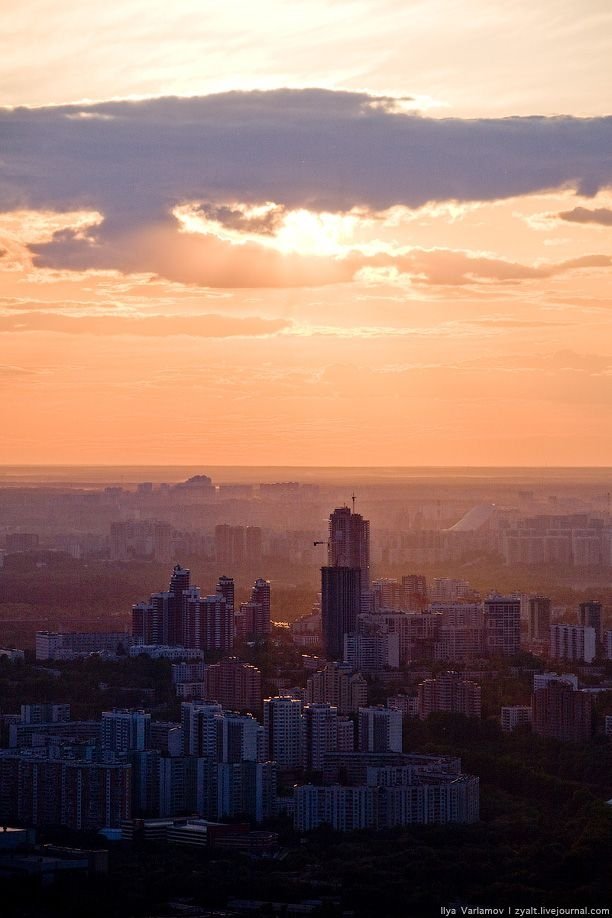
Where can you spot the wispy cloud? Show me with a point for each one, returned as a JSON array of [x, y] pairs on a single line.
[[202, 326]]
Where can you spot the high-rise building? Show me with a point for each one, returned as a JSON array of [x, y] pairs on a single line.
[[406, 704], [39, 788], [345, 582], [572, 642], [207, 622], [230, 544], [126, 731], [561, 712], [414, 592], [45, 713], [182, 617], [252, 621], [513, 716], [503, 625], [371, 653], [261, 594], [449, 692], [225, 586], [235, 685], [179, 584], [186, 784], [449, 589], [160, 620], [387, 593], [340, 606], [590, 615], [380, 730], [539, 619], [199, 729], [337, 685], [321, 733], [246, 789], [393, 796], [284, 731], [21, 541], [253, 544], [459, 632], [223, 543], [245, 621], [119, 537], [346, 734], [162, 541], [188, 672], [349, 543], [145, 782], [240, 738]]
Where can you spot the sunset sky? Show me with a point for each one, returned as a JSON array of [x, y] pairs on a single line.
[[354, 232]]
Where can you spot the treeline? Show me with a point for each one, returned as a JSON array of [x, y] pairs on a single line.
[[91, 686], [67, 594]]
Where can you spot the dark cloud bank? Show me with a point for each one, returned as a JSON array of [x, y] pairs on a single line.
[[134, 161]]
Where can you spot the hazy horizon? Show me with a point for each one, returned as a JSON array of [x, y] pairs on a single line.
[[348, 475]]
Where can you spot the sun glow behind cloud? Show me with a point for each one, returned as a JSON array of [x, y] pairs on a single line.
[[287, 231]]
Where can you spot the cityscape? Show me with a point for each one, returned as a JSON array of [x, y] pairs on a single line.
[[246, 718]]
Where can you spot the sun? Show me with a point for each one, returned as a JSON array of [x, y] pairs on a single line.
[[310, 233]]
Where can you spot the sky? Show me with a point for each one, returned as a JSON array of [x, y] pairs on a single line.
[[358, 232]]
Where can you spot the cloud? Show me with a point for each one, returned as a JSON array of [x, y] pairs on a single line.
[[195, 258], [599, 215], [8, 372], [191, 258], [449, 267], [136, 161], [265, 220], [201, 326], [22, 304], [206, 260], [300, 148]]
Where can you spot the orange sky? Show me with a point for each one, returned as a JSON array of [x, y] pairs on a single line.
[[328, 278]]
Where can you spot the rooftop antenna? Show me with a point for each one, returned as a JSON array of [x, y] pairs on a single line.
[[353, 498]]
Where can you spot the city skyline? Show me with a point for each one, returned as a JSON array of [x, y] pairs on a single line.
[[219, 721], [310, 231]]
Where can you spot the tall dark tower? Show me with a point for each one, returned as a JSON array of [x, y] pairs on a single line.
[[340, 606], [349, 543], [179, 584], [260, 594]]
